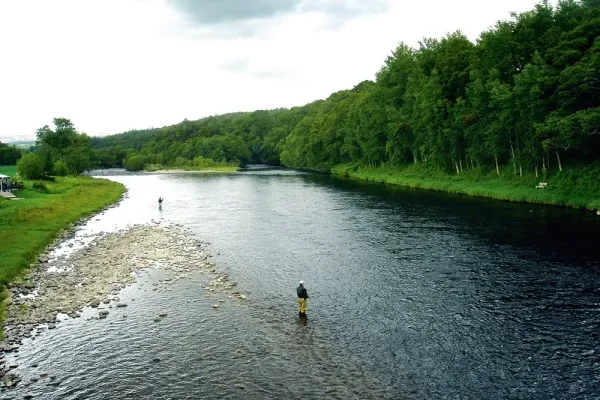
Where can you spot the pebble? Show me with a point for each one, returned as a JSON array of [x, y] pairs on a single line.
[[87, 277]]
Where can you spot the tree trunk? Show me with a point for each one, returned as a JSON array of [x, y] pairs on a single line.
[[497, 168], [520, 170], [456, 166], [536, 171], [512, 154], [461, 167], [543, 168], [472, 166], [559, 163], [415, 157]]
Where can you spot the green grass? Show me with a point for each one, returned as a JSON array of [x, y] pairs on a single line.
[[10, 170], [27, 226], [575, 186]]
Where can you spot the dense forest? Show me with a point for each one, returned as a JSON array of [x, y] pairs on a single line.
[[9, 154], [526, 94]]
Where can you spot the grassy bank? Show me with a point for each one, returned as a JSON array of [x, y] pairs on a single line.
[[575, 186], [9, 170], [27, 226]]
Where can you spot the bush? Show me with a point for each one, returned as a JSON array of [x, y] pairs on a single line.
[[60, 168], [134, 162], [30, 166], [41, 186], [182, 162], [153, 167]]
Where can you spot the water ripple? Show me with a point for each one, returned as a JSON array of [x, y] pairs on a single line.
[[413, 295]]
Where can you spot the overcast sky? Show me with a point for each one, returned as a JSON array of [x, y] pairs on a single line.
[[116, 65]]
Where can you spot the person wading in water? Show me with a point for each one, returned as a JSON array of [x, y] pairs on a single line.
[[302, 296], [160, 199]]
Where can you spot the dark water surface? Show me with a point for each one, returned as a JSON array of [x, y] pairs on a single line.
[[414, 295]]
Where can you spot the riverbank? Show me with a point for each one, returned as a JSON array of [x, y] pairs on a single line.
[[160, 169], [180, 171], [576, 187], [86, 282], [44, 210]]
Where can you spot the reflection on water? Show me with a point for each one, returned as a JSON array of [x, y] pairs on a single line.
[[413, 295]]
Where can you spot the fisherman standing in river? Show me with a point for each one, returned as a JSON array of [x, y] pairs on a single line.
[[160, 200], [302, 296]]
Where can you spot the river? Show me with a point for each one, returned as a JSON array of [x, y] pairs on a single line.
[[413, 295]]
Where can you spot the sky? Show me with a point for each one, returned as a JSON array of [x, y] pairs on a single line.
[[116, 65]]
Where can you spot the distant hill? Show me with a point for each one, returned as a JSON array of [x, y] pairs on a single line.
[[24, 144]]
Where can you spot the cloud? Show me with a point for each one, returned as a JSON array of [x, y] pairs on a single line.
[[237, 65], [245, 18], [344, 9], [245, 67], [214, 12]]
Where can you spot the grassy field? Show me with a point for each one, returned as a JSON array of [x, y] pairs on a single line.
[[575, 186], [10, 170], [27, 226]]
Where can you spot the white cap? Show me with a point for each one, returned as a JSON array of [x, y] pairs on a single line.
[[302, 282]]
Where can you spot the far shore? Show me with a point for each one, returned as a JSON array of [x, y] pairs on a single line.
[[180, 171]]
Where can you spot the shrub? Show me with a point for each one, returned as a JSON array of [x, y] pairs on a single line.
[[134, 162], [30, 166], [60, 168], [182, 162], [41, 186]]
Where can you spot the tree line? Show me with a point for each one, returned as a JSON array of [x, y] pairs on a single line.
[[527, 94], [57, 152], [9, 154]]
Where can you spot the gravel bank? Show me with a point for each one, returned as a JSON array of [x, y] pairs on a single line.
[[93, 276]]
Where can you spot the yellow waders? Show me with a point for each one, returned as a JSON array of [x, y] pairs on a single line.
[[301, 305]]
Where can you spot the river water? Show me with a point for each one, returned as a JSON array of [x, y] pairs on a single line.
[[413, 295]]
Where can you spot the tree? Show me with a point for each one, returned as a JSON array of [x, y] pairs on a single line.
[[60, 168], [30, 166], [63, 143], [134, 162], [9, 154]]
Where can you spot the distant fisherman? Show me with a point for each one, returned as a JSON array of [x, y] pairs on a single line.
[[160, 200], [302, 296]]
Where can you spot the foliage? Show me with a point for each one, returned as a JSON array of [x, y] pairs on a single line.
[[40, 187], [134, 162], [63, 143], [9, 154], [60, 168], [30, 166], [526, 95]]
